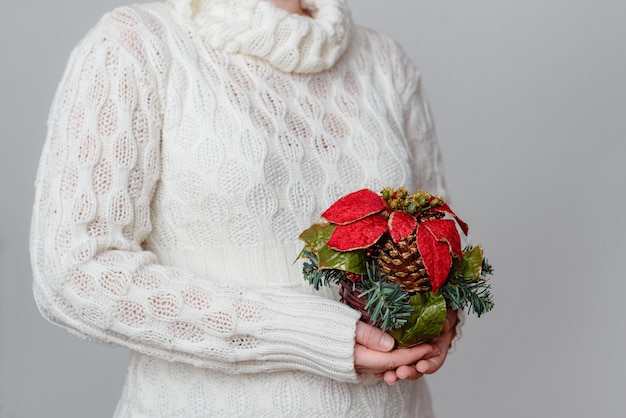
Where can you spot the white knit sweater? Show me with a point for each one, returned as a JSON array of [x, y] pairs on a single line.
[[189, 144]]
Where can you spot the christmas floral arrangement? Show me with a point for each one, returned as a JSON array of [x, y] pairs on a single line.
[[397, 258]]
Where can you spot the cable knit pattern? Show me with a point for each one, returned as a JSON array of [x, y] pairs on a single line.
[[188, 146]]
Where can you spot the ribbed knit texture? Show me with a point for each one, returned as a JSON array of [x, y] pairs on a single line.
[[189, 144]]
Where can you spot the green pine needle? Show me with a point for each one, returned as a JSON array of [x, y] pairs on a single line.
[[476, 296], [319, 277], [387, 303]]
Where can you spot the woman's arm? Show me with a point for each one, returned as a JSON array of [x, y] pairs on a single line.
[[96, 180]]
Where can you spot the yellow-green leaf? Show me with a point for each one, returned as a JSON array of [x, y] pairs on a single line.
[[471, 268], [317, 235]]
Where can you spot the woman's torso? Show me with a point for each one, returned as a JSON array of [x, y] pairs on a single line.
[[250, 156]]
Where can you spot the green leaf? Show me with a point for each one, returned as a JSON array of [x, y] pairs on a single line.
[[315, 239], [352, 261], [317, 235], [425, 323], [471, 268]]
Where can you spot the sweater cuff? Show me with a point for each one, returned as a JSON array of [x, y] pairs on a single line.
[[310, 333]]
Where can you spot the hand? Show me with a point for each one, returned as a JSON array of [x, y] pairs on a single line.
[[374, 353], [430, 363], [441, 344]]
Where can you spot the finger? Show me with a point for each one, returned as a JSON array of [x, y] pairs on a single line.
[[431, 365], [373, 338], [390, 377], [440, 352], [408, 373], [372, 361], [403, 356]]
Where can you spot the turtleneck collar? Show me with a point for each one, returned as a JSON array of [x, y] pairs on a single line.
[[289, 42]]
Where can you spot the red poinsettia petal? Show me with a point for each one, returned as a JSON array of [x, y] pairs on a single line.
[[445, 208], [358, 235], [436, 256], [445, 230], [401, 225], [354, 206]]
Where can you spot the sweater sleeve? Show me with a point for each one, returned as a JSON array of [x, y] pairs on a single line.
[[419, 130], [95, 183]]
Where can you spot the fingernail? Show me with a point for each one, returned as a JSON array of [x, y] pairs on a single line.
[[387, 342]]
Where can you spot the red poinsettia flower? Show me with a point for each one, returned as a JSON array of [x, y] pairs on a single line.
[[363, 217]]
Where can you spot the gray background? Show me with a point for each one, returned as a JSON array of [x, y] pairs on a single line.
[[529, 99]]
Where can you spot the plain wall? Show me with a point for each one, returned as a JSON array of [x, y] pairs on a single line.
[[529, 100]]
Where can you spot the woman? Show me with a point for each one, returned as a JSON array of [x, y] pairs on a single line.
[[189, 143]]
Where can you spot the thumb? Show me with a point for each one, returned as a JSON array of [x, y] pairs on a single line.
[[373, 338]]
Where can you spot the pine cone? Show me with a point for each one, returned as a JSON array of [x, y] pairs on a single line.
[[401, 262]]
